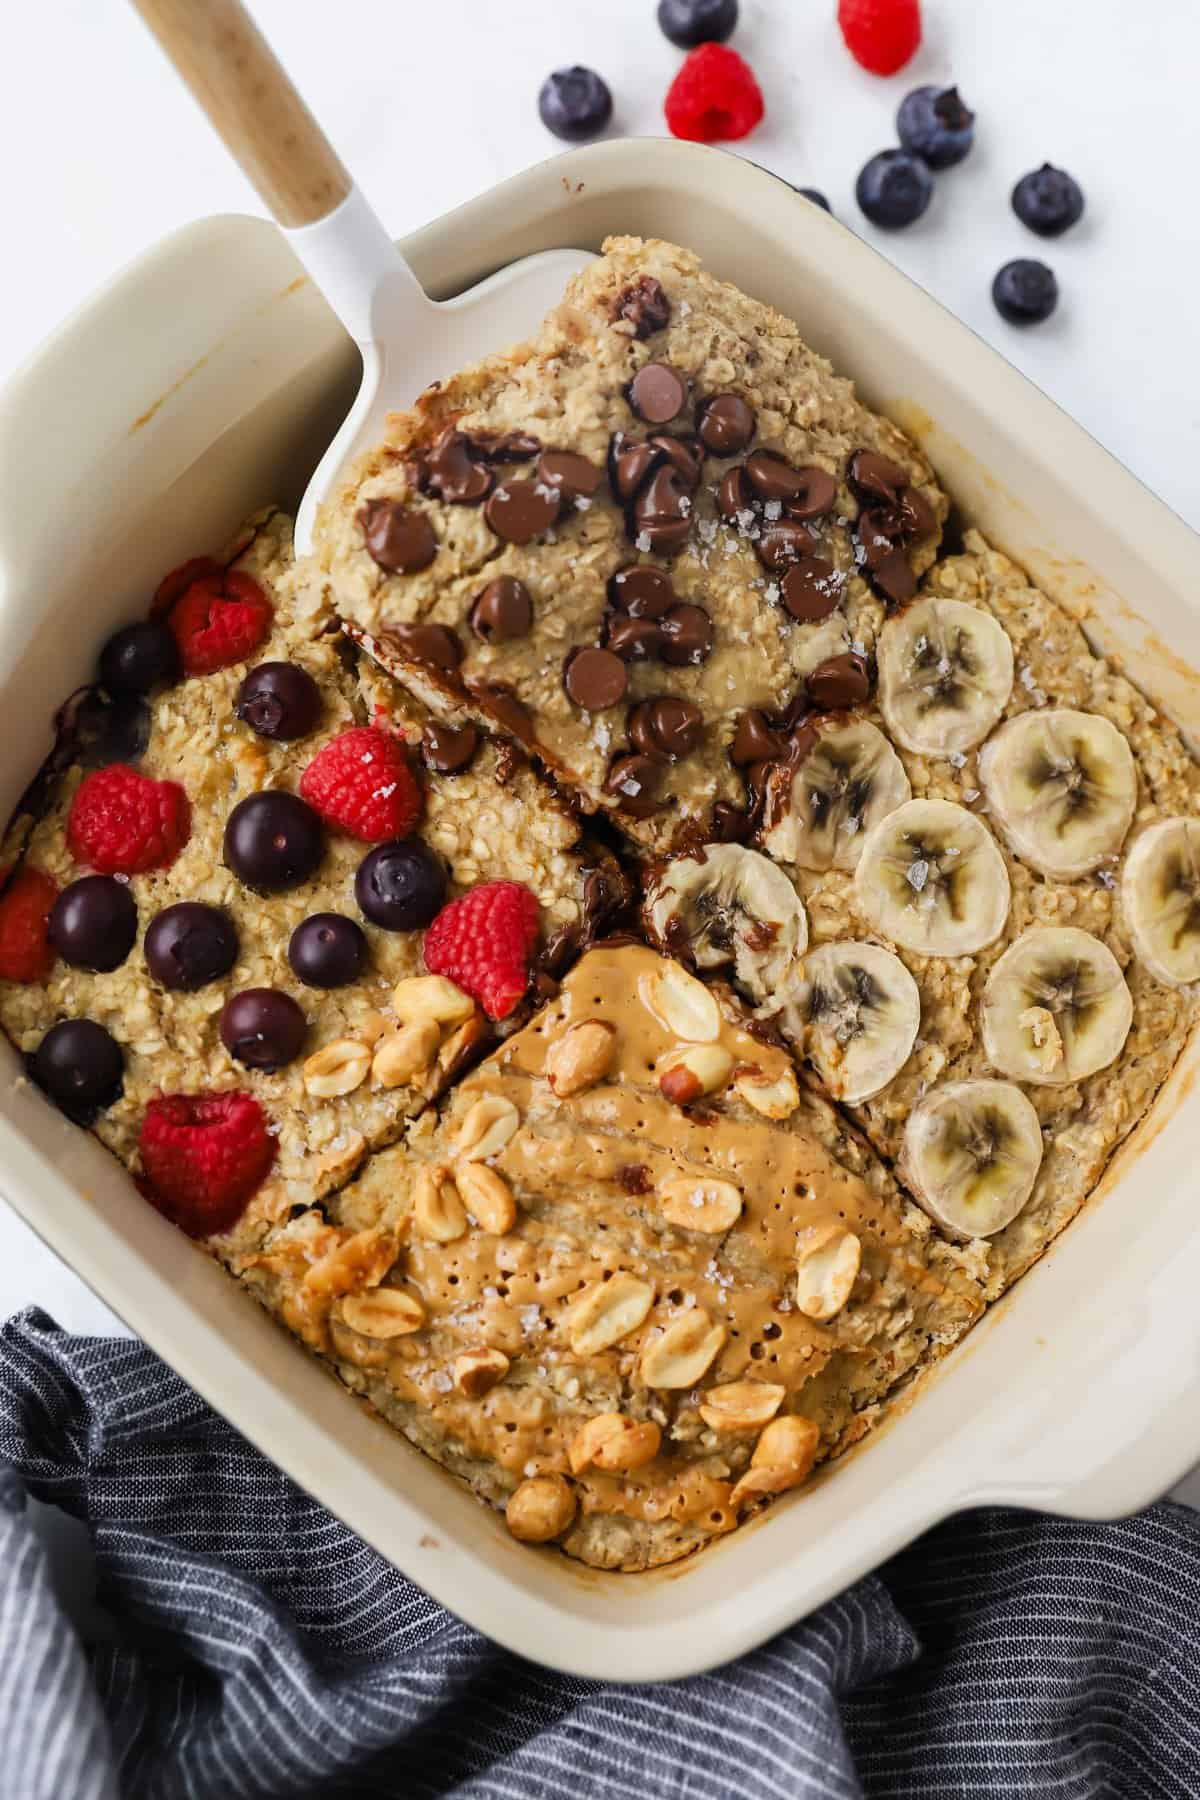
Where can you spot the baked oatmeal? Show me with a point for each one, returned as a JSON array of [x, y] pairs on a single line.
[[613, 540], [629, 1234]]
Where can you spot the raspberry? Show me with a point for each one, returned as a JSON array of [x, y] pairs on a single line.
[[25, 951], [219, 619], [881, 35], [203, 1156], [177, 581], [713, 96], [122, 823], [482, 941], [362, 783]]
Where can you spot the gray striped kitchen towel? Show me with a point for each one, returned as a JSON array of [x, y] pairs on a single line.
[[257, 1647]]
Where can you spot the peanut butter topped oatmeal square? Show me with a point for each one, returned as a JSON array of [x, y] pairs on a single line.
[[614, 540], [633, 1280]]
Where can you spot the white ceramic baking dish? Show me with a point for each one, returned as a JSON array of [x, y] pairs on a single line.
[[204, 381]]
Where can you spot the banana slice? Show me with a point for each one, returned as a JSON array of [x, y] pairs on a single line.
[[1062, 786], [726, 904], [1056, 1007], [861, 1010], [931, 878], [971, 1154], [850, 779], [1160, 895], [945, 674]]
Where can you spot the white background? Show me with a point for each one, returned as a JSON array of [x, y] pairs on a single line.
[[430, 101]]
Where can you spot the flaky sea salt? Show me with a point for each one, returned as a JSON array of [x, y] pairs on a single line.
[[917, 874]]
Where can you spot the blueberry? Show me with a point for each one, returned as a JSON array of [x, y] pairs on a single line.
[[80, 1067], [817, 198], [894, 189], [400, 885], [139, 657], [1048, 200], [691, 22], [574, 103], [93, 923], [263, 1029], [108, 731], [935, 125], [189, 945], [279, 700], [327, 950], [273, 841], [1025, 292]]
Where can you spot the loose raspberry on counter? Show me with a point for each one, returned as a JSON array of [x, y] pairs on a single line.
[[219, 619], [362, 783], [714, 96], [483, 941], [122, 823], [881, 35], [25, 950], [203, 1155]]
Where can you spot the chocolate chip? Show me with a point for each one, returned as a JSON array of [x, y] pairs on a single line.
[[435, 645], [399, 539], [734, 495], [657, 393], [661, 512], [725, 424], [665, 728], [684, 454], [502, 610], [815, 498], [574, 476], [634, 781], [771, 477], [756, 740], [878, 530], [641, 590], [454, 472], [499, 701], [594, 679], [895, 579], [506, 446], [730, 824], [644, 304], [629, 464], [812, 589], [838, 682], [875, 477], [918, 517], [782, 542], [448, 748], [519, 511], [633, 640], [687, 631]]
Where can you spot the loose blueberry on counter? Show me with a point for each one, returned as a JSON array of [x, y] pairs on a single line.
[[935, 125], [80, 1067], [574, 103], [263, 1029], [691, 22], [327, 950], [1025, 292], [93, 923], [280, 701], [189, 945], [893, 189], [817, 198], [1048, 200], [400, 885], [139, 657], [273, 841]]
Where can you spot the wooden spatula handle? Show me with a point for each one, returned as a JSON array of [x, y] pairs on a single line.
[[234, 74]]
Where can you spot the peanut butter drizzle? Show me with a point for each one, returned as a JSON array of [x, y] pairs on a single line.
[[586, 1171]]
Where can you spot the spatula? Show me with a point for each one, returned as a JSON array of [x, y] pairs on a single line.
[[407, 340]]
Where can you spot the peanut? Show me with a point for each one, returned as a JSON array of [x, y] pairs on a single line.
[[693, 1071], [430, 998], [828, 1258], [405, 1054], [476, 1372], [607, 1311], [383, 1313], [700, 1203], [437, 1212], [581, 1057], [540, 1509], [684, 1351], [775, 1097], [614, 1444], [741, 1405], [487, 1127], [336, 1069], [681, 1004], [487, 1197]]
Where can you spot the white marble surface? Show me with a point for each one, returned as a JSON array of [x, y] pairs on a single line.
[[433, 100]]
